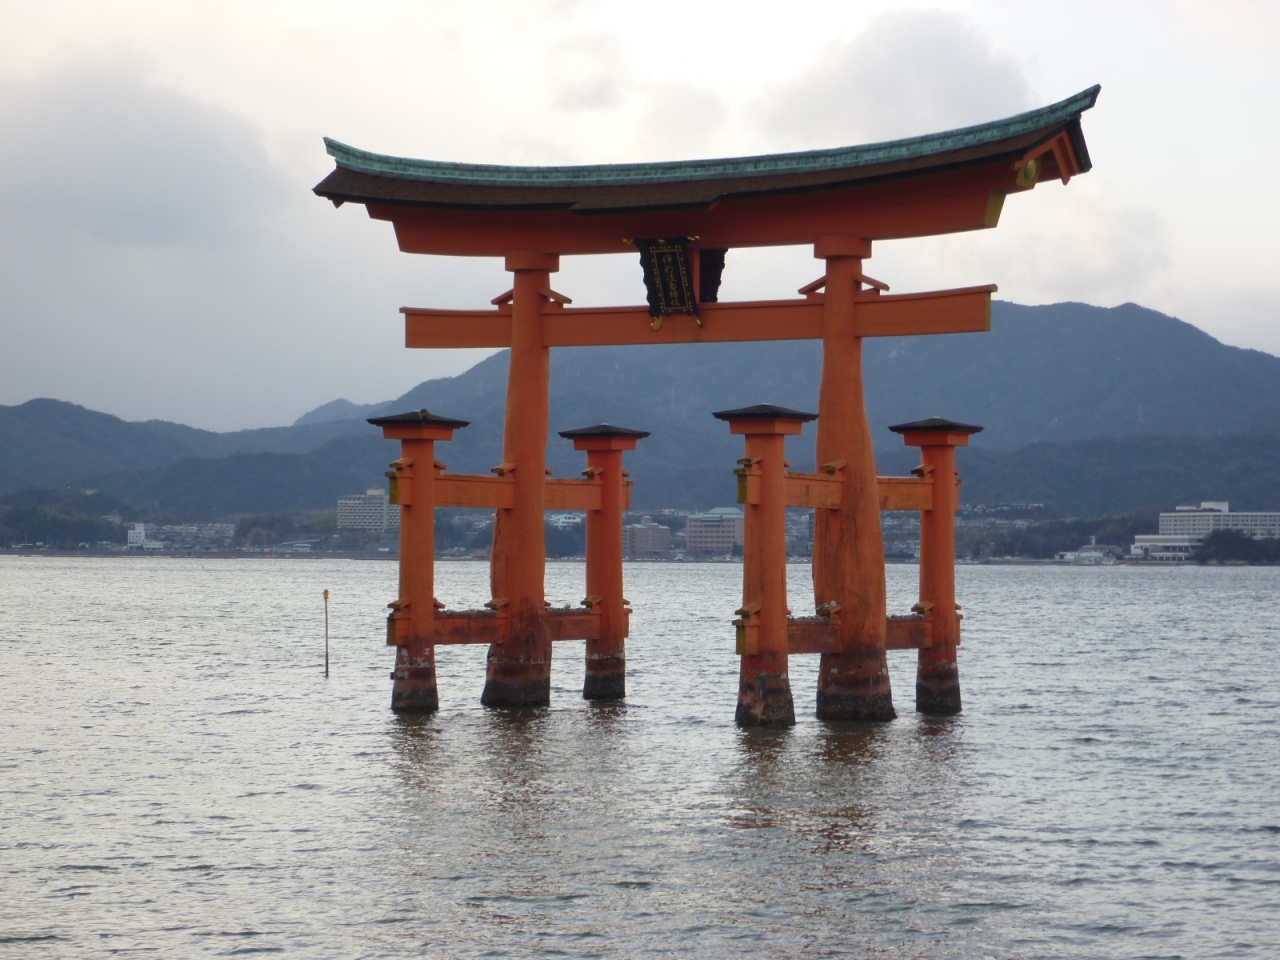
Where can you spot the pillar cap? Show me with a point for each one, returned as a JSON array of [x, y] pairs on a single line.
[[604, 430], [935, 432], [935, 425], [765, 411], [423, 417], [765, 419]]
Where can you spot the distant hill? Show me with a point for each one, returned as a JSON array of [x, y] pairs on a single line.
[[1052, 376], [1056, 373], [51, 443], [1085, 478], [340, 409]]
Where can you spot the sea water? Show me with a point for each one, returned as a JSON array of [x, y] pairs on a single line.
[[178, 778]]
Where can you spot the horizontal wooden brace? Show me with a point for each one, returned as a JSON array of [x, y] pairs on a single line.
[[463, 490], [905, 493], [822, 634], [823, 492], [482, 626], [820, 490], [568, 494], [963, 310], [813, 635], [470, 626], [559, 493], [908, 633]]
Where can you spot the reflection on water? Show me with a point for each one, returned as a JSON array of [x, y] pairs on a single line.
[[176, 777]]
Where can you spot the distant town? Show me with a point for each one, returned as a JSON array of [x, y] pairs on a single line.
[[367, 524]]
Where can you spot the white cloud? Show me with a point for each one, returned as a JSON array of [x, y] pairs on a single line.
[[1052, 243], [154, 263], [909, 72]]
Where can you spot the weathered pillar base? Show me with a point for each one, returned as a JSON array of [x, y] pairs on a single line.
[[413, 690], [517, 683], [764, 694], [854, 687], [606, 678], [938, 690]]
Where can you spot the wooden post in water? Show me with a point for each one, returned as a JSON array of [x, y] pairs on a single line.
[[764, 686], [606, 672], [518, 670], [937, 672], [326, 634], [848, 544], [411, 626]]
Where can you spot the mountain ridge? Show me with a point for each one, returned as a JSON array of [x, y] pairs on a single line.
[[1053, 374]]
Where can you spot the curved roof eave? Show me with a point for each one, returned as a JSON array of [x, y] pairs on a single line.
[[1055, 115]]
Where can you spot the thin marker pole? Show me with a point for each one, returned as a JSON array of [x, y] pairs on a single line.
[[326, 634]]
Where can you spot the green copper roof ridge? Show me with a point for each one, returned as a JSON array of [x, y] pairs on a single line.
[[808, 161]]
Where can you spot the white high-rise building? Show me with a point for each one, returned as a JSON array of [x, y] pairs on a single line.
[[371, 511]]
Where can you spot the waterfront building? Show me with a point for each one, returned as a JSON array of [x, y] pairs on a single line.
[[646, 539], [371, 511], [714, 533], [1183, 529], [137, 535]]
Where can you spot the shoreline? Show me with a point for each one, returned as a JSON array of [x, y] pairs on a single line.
[[244, 555]]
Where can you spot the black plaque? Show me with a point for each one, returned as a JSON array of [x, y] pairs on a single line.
[[668, 277]]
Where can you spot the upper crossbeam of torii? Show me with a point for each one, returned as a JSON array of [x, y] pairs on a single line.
[[682, 217]]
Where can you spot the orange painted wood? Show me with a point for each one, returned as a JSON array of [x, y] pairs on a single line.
[[822, 635], [905, 493], [559, 493], [908, 633], [481, 626], [820, 490], [958, 200], [604, 549], [417, 548], [938, 546], [518, 669], [465, 490], [721, 323], [964, 310], [813, 635], [446, 329], [848, 551], [470, 626], [573, 624], [764, 550], [568, 494]]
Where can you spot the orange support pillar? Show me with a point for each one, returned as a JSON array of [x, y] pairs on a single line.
[[411, 626], [764, 687], [606, 677], [518, 672], [937, 675], [848, 545]]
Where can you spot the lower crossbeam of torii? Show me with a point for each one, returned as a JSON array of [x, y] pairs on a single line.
[[840, 202]]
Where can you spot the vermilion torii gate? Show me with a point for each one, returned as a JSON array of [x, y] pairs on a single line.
[[683, 217]]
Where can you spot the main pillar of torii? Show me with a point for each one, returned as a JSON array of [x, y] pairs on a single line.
[[682, 217]]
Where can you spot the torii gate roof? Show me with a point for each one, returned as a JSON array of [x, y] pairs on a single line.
[[918, 186]]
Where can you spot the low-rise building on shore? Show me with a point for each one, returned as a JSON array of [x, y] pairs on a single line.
[[1184, 529]]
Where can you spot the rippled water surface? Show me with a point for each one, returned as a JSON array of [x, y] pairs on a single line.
[[178, 779]]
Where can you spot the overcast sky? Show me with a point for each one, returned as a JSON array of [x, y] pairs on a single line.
[[161, 254]]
